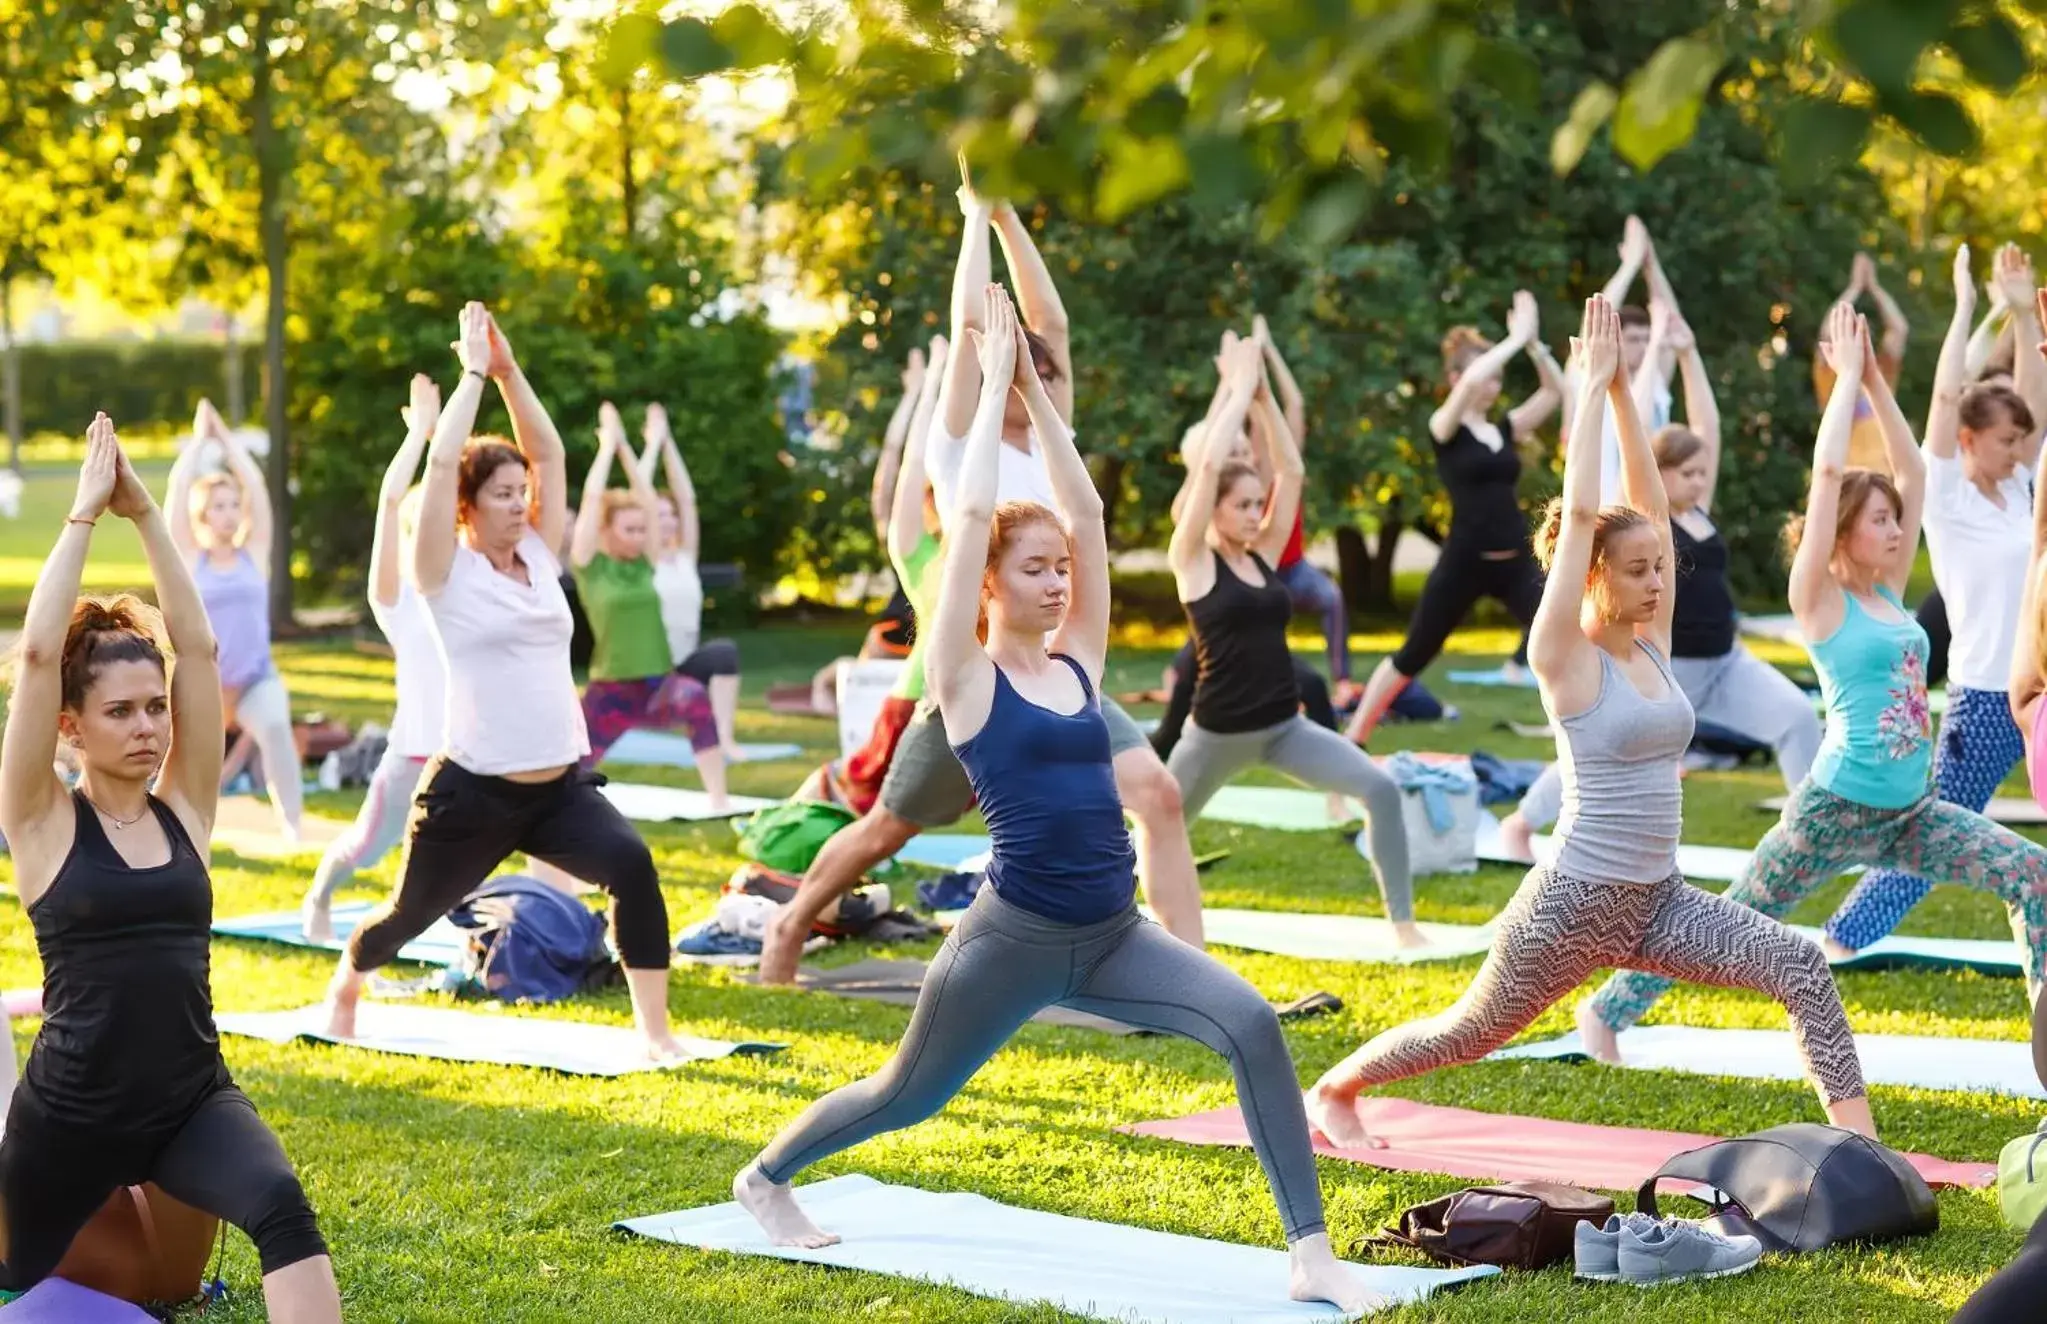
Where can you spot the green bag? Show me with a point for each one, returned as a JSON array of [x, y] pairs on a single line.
[[787, 837], [2022, 1179]]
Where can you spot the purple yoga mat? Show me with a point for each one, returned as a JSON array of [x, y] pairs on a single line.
[[55, 1301]]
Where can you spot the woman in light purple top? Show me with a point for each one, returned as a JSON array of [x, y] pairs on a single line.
[[225, 536]]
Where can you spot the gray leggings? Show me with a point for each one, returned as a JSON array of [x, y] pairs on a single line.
[[1559, 929], [1203, 762], [1738, 691], [1001, 966]]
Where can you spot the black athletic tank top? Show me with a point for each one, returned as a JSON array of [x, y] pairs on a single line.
[[1702, 623], [128, 1040], [1244, 675], [1485, 508]]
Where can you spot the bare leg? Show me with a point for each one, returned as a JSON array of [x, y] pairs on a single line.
[[649, 992], [1380, 692], [849, 853], [1599, 1038], [1317, 1275], [344, 993], [561, 880], [711, 767], [303, 1293], [773, 1205], [725, 711], [1165, 857], [1518, 838]]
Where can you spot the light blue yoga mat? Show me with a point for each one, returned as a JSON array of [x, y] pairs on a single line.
[[1903, 951], [576, 1048], [1496, 677], [673, 751], [1981, 1066], [1106, 1270], [945, 850], [1337, 937], [440, 944]]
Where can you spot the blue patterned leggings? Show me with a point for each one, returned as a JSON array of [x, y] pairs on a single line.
[[1978, 747]]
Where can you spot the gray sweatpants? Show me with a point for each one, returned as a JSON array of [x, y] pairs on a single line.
[[1738, 691], [1203, 762], [1001, 966]]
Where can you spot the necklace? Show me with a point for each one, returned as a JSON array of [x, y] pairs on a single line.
[[117, 821]]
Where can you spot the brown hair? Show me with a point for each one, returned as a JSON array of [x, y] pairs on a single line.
[[1857, 487], [1631, 315], [1042, 358], [1461, 345], [1986, 403], [1612, 520], [482, 457], [103, 631], [1012, 518], [1230, 475], [1674, 444]]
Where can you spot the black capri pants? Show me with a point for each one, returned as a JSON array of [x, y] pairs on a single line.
[[1460, 578], [465, 824], [714, 657], [222, 1160]]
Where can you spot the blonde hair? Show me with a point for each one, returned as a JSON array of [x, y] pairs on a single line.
[[1011, 519], [1613, 521], [1462, 345], [201, 494]]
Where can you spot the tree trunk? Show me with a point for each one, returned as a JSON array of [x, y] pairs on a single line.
[[271, 167], [628, 187], [1109, 482], [237, 393], [10, 373], [1367, 569]]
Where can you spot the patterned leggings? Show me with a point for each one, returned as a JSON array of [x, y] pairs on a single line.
[[1559, 929], [1978, 747], [667, 702], [1821, 835]]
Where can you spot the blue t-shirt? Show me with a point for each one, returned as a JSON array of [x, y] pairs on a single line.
[[1878, 749], [1047, 788]]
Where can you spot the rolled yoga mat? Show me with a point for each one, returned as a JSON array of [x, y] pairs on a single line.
[[1458, 1142], [575, 1048], [897, 982], [674, 751], [439, 945], [1104, 1270], [1981, 1066]]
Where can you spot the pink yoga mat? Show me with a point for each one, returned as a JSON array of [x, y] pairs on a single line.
[[1491, 1147]]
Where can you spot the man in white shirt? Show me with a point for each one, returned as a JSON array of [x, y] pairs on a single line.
[[1646, 351]]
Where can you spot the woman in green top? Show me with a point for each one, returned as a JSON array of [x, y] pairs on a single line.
[[632, 683]]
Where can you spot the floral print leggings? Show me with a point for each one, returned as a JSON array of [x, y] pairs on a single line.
[[1822, 835]]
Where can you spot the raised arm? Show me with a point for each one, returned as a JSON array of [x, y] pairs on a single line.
[[535, 435], [637, 478], [190, 779], [1652, 373], [2014, 283], [1187, 552], [2028, 679], [1288, 475], [1528, 417], [385, 550], [1291, 406], [433, 542], [1555, 639], [1634, 253], [255, 533], [1989, 327], [1642, 490], [906, 517], [1901, 451], [959, 400], [1084, 634], [29, 789], [589, 530], [178, 492], [1702, 410], [1037, 298], [1897, 331], [1813, 593], [1449, 415], [956, 667], [881, 499], [682, 489], [1950, 375]]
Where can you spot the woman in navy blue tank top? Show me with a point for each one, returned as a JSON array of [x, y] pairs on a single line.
[[1056, 923], [125, 1083]]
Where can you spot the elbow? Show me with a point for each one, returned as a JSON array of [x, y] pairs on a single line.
[[1084, 506]]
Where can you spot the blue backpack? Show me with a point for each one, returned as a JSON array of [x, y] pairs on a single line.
[[530, 943]]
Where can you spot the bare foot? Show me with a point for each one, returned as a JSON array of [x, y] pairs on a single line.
[[316, 918], [774, 1208], [1599, 1039], [1513, 672], [341, 1006], [781, 949], [1317, 1275], [1834, 950], [733, 753], [1408, 935], [1334, 1113], [665, 1047], [1517, 839]]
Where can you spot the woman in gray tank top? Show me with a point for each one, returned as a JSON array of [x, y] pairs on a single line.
[[1612, 894]]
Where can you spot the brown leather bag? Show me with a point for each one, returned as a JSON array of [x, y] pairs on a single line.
[[142, 1246], [1518, 1225]]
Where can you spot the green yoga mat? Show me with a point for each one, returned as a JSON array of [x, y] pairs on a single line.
[[1283, 807]]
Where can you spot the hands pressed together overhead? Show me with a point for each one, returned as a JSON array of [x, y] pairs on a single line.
[[107, 482]]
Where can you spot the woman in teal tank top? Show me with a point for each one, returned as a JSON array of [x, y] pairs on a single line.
[[1869, 799]]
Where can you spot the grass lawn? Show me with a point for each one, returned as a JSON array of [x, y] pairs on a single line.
[[463, 1193]]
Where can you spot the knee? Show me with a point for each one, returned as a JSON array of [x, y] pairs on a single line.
[[1151, 794], [283, 1225], [722, 657]]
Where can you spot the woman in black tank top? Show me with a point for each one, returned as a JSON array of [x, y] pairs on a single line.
[[1246, 704], [1487, 553], [125, 1083]]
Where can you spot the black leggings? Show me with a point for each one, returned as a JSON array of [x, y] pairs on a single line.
[[222, 1160], [1180, 703], [713, 657], [465, 824], [1460, 578], [1933, 620]]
